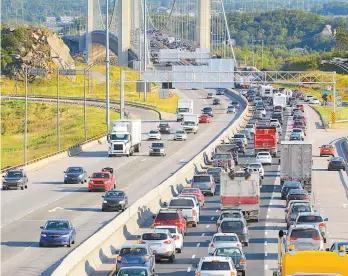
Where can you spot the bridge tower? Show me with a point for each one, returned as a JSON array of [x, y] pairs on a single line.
[[203, 26], [124, 31]]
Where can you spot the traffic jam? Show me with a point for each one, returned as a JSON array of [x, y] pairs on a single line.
[[223, 204]]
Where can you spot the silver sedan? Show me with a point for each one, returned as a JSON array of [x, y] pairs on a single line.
[[180, 135]]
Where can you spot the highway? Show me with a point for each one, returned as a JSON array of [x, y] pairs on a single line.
[[330, 194], [23, 212]]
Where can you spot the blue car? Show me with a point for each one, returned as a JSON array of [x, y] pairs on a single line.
[[236, 254], [136, 255], [75, 175], [134, 271], [57, 232], [295, 137]]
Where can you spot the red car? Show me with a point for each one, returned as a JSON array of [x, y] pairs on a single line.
[[300, 118], [299, 124], [102, 181], [300, 106], [171, 217], [278, 108], [297, 194], [204, 119], [196, 192]]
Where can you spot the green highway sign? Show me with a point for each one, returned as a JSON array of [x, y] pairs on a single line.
[[327, 92]]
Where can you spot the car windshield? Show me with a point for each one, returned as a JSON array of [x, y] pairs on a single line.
[[239, 136], [336, 159], [100, 175], [230, 215], [14, 174], [214, 170], [190, 191], [180, 132], [228, 251], [249, 126], [183, 109], [230, 107], [222, 156], [207, 109], [234, 103], [163, 125], [154, 236], [181, 202], [167, 216], [74, 170], [121, 137], [114, 194], [201, 178], [57, 225], [133, 272], [327, 146], [215, 265], [189, 123], [157, 145], [255, 165], [304, 233], [227, 238], [153, 131], [296, 130], [263, 154], [231, 224], [297, 192], [133, 251], [310, 219]]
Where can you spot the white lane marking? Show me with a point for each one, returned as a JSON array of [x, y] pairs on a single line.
[[143, 160], [266, 267], [212, 218], [208, 226], [271, 203], [267, 216], [265, 243], [266, 254], [55, 209], [345, 205], [266, 233], [198, 244], [217, 211], [189, 269], [193, 256]]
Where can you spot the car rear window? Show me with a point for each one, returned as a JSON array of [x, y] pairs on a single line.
[[215, 266], [188, 190], [225, 238], [230, 215], [239, 136], [100, 175], [201, 178], [154, 236], [310, 219], [232, 224], [167, 216], [133, 272], [301, 208], [297, 192], [181, 202], [133, 251], [305, 233], [228, 252], [263, 154], [172, 230], [222, 156]]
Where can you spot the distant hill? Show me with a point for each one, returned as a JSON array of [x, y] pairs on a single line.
[[334, 8]]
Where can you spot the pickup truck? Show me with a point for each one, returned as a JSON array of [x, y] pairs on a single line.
[[102, 181], [188, 207]]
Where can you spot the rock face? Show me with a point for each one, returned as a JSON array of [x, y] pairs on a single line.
[[41, 48]]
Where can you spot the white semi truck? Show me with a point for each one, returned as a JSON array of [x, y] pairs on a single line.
[[190, 123], [296, 163], [124, 137], [184, 107]]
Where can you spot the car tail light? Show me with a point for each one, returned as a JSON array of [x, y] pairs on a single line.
[[242, 261], [194, 212], [142, 242], [239, 245], [176, 238], [330, 163], [91, 182], [343, 163], [244, 230], [289, 215], [322, 225], [147, 258], [219, 230], [167, 242], [292, 238], [212, 245], [232, 274], [119, 258], [198, 274], [317, 238]]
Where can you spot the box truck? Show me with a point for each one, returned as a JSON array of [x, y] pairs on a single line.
[[124, 137], [266, 139], [184, 107]]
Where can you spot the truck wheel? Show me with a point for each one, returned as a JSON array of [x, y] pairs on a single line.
[[128, 155], [194, 224], [243, 272]]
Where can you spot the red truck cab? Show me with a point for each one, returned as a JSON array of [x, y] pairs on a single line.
[[102, 181], [266, 139], [171, 217], [196, 192]]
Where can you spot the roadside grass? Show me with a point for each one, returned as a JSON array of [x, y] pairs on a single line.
[[74, 87], [42, 133]]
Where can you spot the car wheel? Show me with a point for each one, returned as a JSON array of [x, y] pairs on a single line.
[[321, 155], [172, 258], [324, 240], [89, 190], [194, 224], [328, 169], [41, 245], [69, 245], [65, 182], [73, 242], [246, 243], [22, 187], [179, 250], [243, 273], [344, 169], [103, 210], [26, 185]]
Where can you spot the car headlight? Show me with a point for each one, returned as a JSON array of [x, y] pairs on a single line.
[[65, 236], [4, 181], [43, 235], [122, 202], [80, 176], [65, 175], [20, 180], [105, 201]]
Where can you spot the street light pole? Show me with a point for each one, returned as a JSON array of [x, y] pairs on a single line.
[[107, 61], [26, 116], [262, 54], [145, 48], [58, 113], [84, 104]]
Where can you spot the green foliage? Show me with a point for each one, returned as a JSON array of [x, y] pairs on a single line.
[[342, 39], [333, 8]]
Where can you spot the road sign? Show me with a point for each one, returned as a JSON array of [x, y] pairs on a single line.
[[67, 72], [36, 72], [339, 101], [327, 92], [163, 93], [333, 117]]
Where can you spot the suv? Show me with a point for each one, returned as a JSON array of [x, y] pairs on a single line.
[[140, 253], [164, 128], [171, 217], [279, 116], [205, 183], [305, 237], [256, 167], [230, 213], [188, 207], [208, 266], [312, 218], [243, 137], [327, 150], [235, 225], [295, 209], [161, 242], [216, 101], [208, 111], [15, 179], [157, 148]]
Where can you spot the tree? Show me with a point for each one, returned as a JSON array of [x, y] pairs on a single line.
[[341, 39]]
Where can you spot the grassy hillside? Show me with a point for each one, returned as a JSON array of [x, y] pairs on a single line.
[[42, 135]]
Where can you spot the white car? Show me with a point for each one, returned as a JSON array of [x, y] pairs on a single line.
[[161, 243], [262, 111], [250, 128], [214, 265], [264, 157], [256, 167], [223, 239], [180, 135], [277, 125], [210, 95], [154, 134], [231, 109], [308, 98], [177, 236], [315, 101], [299, 131]]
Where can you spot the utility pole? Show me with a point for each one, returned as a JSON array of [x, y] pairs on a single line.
[[58, 114], [107, 64], [85, 103], [145, 48], [262, 54], [26, 116]]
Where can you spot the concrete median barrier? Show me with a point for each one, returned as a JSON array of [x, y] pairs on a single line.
[[87, 257]]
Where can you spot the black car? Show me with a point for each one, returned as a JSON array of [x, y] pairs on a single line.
[[240, 148], [75, 175], [220, 91], [251, 99], [216, 101], [235, 104], [164, 128], [336, 163], [115, 200], [279, 116], [289, 185], [15, 179], [208, 111]]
